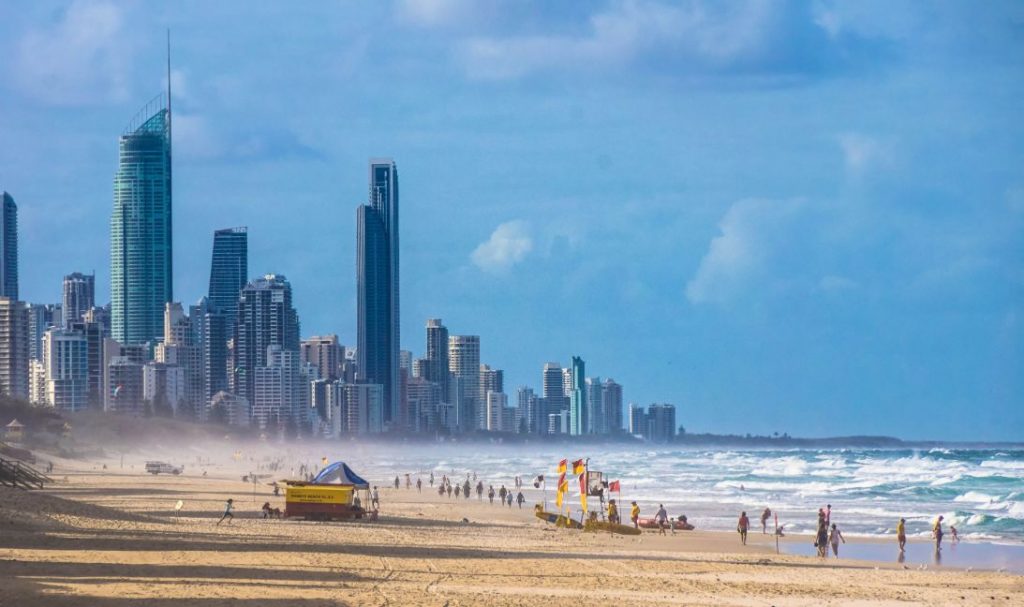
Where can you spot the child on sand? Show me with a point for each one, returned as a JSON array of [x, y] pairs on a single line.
[[954, 537], [227, 512], [834, 537], [742, 525]]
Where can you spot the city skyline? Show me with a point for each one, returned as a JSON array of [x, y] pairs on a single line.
[[833, 271]]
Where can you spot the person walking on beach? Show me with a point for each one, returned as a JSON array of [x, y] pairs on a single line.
[[901, 533], [480, 490], [742, 526], [661, 517], [520, 499], [419, 485], [490, 494], [465, 488], [613, 512], [502, 493], [937, 532], [510, 499], [767, 514], [821, 536], [375, 499], [431, 478], [458, 489], [634, 515], [833, 538], [408, 481], [228, 506]]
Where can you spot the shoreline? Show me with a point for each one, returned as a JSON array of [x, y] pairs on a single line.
[[106, 536]]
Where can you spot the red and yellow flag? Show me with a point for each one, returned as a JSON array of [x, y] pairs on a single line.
[[583, 491], [563, 488], [577, 467], [561, 466]]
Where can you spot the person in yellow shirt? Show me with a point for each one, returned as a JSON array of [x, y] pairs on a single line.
[[937, 532], [613, 512], [634, 515], [901, 533]]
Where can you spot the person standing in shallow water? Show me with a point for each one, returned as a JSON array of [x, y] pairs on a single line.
[[767, 514], [901, 533], [937, 533]]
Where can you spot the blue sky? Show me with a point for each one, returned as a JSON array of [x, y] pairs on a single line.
[[779, 216]]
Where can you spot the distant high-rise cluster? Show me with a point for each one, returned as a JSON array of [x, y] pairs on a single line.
[[237, 356]]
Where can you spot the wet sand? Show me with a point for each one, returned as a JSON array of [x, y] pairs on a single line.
[[111, 537]]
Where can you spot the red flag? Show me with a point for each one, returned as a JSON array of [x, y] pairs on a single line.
[[577, 467], [614, 487]]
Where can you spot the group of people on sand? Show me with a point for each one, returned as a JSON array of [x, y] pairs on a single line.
[[465, 490]]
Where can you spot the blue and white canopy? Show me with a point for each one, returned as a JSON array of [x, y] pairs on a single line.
[[339, 473]]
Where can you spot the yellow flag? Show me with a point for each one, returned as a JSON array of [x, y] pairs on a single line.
[[583, 492], [558, 499]]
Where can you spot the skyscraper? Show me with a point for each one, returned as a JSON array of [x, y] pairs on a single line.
[[8, 247], [79, 296], [325, 353], [378, 294], [229, 270], [464, 363], [66, 360], [13, 348], [437, 355], [611, 396], [265, 318], [578, 398], [141, 270]]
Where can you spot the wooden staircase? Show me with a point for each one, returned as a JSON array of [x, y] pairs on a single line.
[[14, 473]]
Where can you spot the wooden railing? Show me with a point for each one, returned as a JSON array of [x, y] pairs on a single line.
[[14, 473]]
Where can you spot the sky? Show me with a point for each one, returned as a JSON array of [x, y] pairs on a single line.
[[802, 217]]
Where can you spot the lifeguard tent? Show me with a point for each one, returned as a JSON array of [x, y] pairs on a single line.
[[331, 495]]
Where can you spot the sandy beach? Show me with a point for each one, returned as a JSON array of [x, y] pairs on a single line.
[[110, 537]]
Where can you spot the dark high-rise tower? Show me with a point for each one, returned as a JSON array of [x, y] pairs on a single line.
[[229, 269], [141, 270], [265, 318], [8, 247], [79, 296], [437, 355], [377, 277]]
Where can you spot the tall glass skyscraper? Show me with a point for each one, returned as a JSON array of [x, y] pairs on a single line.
[[377, 278], [9, 248], [578, 398], [141, 270], [229, 269]]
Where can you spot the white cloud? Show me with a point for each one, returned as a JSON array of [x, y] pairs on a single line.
[[509, 244], [862, 152], [433, 13], [752, 232], [80, 59], [691, 37]]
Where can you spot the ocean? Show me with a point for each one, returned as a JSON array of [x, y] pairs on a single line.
[[980, 491]]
